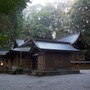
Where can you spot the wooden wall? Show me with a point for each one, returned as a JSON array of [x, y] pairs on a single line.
[[15, 61], [81, 65], [46, 60], [41, 61], [51, 60], [78, 56], [26, 62], [78, 61]]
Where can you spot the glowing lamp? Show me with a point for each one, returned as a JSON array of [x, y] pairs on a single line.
[[1, 63]]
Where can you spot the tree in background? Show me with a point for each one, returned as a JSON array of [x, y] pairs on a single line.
[[7, 6], [53, 16], [9, 10], [39, 22], [80, 15], [8, 32]]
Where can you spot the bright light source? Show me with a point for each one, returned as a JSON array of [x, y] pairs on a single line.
[[1, 63]]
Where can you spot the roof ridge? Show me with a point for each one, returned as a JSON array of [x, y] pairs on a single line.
[[52, 41]]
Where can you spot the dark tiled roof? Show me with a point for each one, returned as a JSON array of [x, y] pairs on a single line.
[[3, 52], [71, 39], [21, 49], [55, 46]]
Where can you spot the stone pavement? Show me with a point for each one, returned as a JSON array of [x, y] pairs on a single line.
[[59, 82]]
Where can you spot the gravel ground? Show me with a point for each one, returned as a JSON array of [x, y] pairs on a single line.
[[59, 82]]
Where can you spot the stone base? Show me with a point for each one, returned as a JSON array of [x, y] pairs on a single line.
[[54, 72]]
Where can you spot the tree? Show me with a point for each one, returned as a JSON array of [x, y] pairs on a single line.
[[38, 22], [53, 16], [10, 11], [80, 16], [7, 6], [80, 19], [40, 32], [7, 32]]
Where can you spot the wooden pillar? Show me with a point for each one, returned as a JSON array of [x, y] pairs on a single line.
[[41, 61]]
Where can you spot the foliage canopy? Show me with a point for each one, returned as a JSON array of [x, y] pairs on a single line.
[[7, 6]]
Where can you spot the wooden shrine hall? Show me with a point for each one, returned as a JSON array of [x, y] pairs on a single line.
[[48, 54]]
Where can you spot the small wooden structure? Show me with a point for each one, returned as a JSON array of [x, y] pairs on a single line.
[[19, 56]]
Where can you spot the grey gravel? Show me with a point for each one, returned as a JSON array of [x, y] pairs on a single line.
[[59, 82]]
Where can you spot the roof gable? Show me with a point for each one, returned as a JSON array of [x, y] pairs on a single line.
[[27, 43], [76, 40], [21, 46], [80, 43], [70, 39], [18, 42]]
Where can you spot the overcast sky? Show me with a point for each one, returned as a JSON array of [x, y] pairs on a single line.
[[43, 2], [46, 1]]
